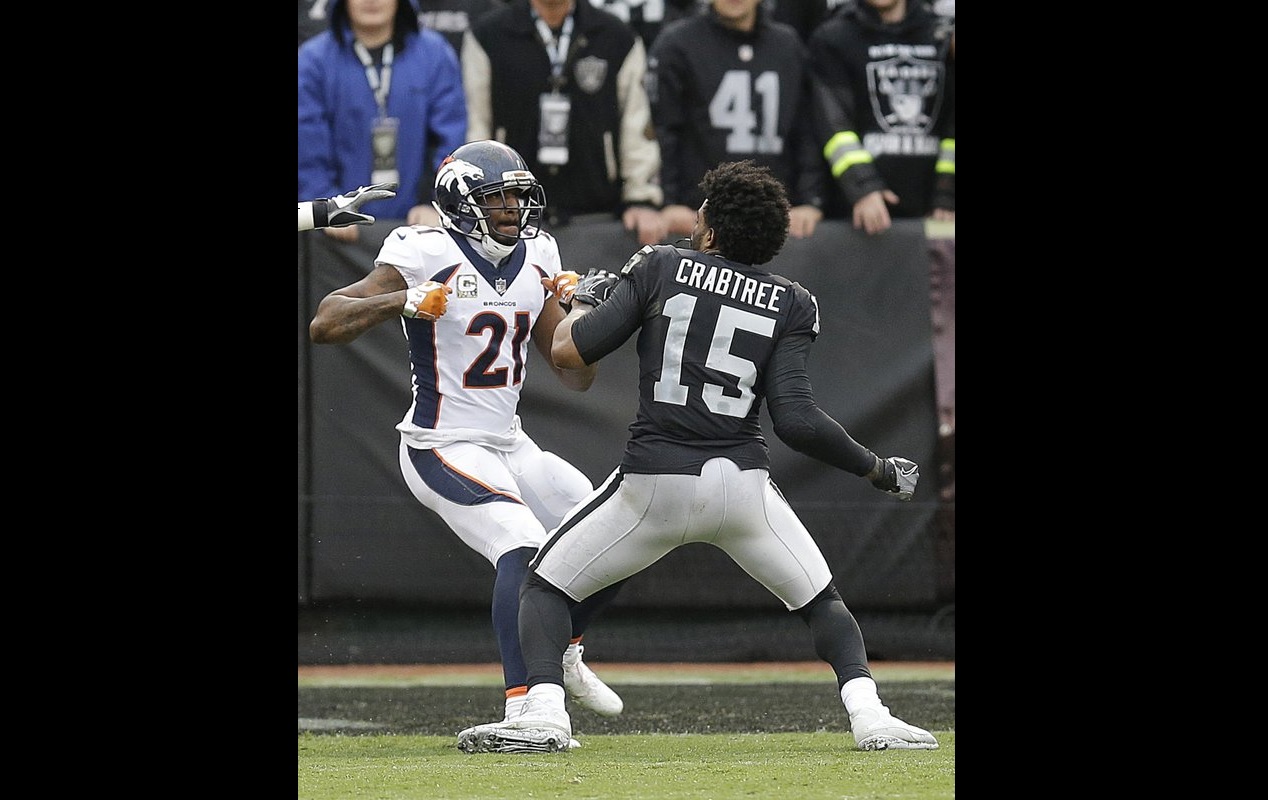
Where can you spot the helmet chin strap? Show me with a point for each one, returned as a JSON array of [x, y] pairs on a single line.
[[496, 249]]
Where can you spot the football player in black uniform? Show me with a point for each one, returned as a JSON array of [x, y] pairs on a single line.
[[716, 335]]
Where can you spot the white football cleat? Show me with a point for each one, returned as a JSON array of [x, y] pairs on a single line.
[[514, 705], [585, 688], [539, 728], [877, 729]]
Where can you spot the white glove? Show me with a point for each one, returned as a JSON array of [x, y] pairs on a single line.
[[342, 211], [595, 287], [895, 475], [427, 301]]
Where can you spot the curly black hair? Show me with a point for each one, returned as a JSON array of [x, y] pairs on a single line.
[[747, 209]]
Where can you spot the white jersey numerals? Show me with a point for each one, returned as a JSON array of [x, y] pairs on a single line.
[[732, 109], [669, 389]]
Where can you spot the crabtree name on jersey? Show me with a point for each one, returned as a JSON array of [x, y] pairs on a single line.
[[728, 282]]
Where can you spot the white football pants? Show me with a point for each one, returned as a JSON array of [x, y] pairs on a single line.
[[739, 511], [495, 500]]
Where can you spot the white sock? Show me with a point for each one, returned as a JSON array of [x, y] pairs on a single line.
[[550, 693], [858, 694], [514, 705], [572, 654]]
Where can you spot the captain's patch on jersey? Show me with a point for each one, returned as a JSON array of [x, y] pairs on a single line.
[[467, 285]]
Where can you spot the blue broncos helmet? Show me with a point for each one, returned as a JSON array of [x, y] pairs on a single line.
[[471, 180]]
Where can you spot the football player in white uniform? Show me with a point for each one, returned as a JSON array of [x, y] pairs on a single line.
[[470, 296]]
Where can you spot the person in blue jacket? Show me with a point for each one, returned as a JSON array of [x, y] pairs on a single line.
[[380, 100]]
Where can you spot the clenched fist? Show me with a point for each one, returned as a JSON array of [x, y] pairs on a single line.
[[427, 301], [562, 286], [895, 475], [595, 287]]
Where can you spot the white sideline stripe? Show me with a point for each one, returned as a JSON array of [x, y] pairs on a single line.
[[311, 724]]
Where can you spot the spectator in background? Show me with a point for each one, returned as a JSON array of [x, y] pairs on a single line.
[[379, 101], [729, 84], [449, 18], [648, 17], [884, 111], [562, 83], [453, 18]]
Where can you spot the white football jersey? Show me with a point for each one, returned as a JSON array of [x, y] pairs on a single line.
[[468, 366]]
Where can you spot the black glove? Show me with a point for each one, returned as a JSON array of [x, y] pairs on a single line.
[[895, 475], [342, 211], [594, 288]]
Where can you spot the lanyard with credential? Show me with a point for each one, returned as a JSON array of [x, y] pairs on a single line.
[[384, 130], [556, 49], [379, 84]]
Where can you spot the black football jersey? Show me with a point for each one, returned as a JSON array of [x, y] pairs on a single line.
[[707, 329], [719, 94]]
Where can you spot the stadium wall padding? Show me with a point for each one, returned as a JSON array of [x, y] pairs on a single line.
[[363, 537]]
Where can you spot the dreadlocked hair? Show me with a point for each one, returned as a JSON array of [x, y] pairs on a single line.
[[747, 209]]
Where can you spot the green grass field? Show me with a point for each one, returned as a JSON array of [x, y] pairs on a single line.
[[798, 766], [688, 731]]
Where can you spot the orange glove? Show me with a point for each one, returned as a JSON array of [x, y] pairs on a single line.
[[563, 286], [427, 301]]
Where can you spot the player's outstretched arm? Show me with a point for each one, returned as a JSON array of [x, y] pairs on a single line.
[[345, 209], [803, 426]]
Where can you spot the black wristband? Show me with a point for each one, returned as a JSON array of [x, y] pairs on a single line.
[[877, 470], [321, 217]]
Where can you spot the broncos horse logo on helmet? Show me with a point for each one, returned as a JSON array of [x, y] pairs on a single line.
[[471, 181]]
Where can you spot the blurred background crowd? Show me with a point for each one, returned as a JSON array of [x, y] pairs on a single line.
[[619, 106]]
